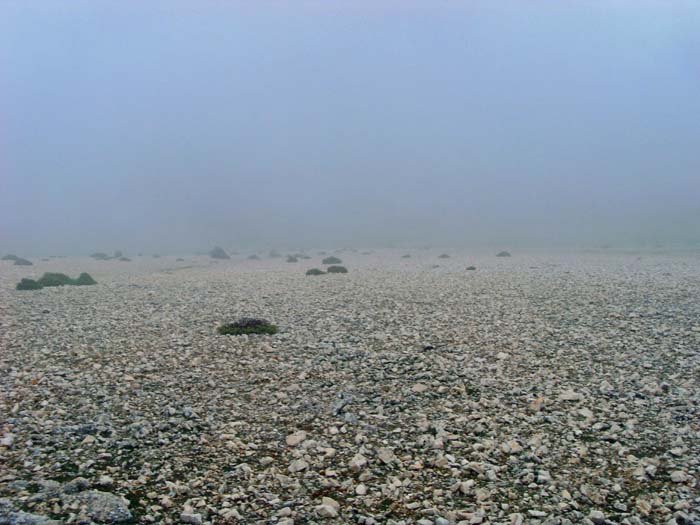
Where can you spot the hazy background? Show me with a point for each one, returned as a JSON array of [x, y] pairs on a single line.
[[174, 126]]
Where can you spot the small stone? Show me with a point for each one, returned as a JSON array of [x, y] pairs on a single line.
[[297, 437], [192, 518], [679, 476], [298, 465], [570, 395], [357, 463]]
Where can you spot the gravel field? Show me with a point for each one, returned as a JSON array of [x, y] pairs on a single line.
[[538, 389]]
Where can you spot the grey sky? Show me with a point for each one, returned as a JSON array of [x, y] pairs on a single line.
[[178, 125]]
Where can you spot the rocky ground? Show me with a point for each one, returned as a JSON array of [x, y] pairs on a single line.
[[537, 389]]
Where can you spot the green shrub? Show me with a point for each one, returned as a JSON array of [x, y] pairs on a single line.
[[54, 279], [407, 256], [9, 257], [503, 254], [315, 271], [124, 259], [471, 268], [247, 325], [332, 260], [274, 254], [22, 262], [100, 256], [254, 257], [218, 253], [444, 256], [84, 279], [28, 284], [292, 259], [337, 269]]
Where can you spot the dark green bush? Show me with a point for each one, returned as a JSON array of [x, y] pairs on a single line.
[[254, 257], [444, 256], [84, 279], [54, 279], [179, 259], [503, 254], [100, 256], [292, 259], [117, 254], [247, 325], [28, 284], [407, 256], [315, 271], [218, 253], [22, 262], [337, 269], [9, 257], [470, 268], [124, 259], [332, 260]]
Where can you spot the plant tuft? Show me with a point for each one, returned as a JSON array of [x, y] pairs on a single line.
[[248, 325]]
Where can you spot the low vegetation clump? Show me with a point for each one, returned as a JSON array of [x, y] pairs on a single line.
[[274, 254], [9, 257], [332, 260], [179, 259], [23, 262], [407, 256], [444, 256], [247, 326], [315, 271], [50, 279], [503, 254], [124, 259], [337, 269], [84, 279], [471, 268], [28, 284], [100, 256], [218, 253], [292, 259], [54, 279], [254, 257]]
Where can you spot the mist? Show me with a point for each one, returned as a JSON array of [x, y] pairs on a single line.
[[175, 126]]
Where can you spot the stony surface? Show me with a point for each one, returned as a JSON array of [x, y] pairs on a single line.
[[542, 389]]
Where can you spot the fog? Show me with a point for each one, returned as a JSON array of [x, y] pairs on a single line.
[[175, 126]]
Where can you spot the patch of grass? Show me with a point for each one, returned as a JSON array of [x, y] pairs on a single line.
[[337, 269], [315, 271], [22, 262], [84, 279], [332, 260], [54, 279], [247, 325], [28, 284]]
